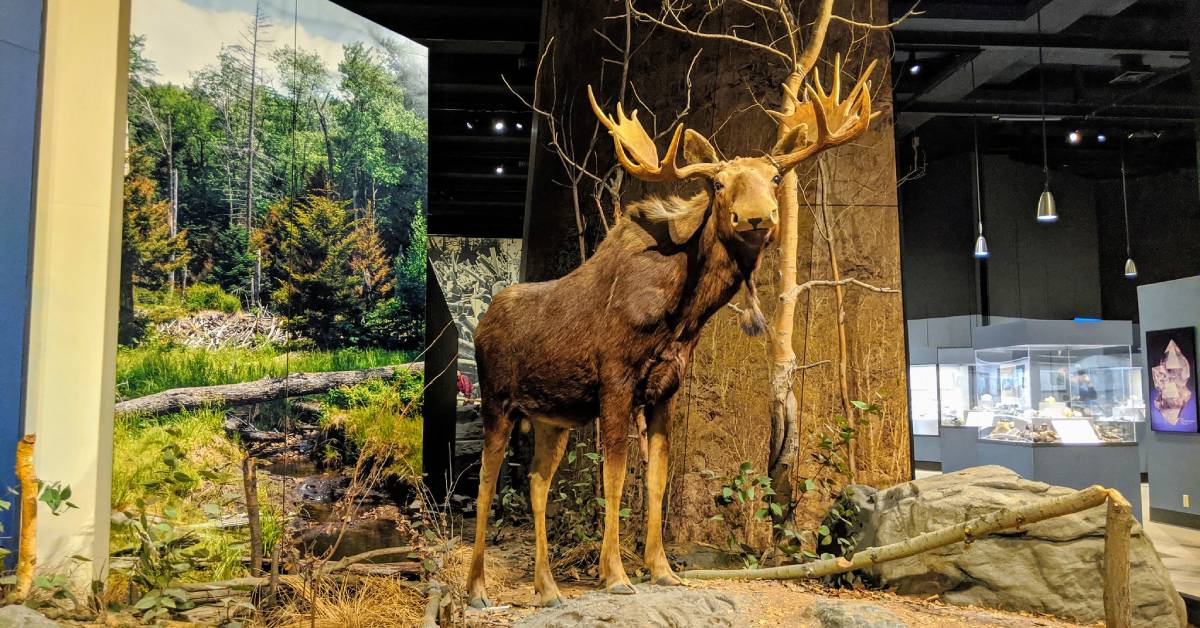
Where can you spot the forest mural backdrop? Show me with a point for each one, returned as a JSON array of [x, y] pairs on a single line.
[[274, 224], [281, 159]]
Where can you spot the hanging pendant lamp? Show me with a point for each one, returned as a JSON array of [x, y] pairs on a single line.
[[981, 247], [1130, 266], [1047, 209]]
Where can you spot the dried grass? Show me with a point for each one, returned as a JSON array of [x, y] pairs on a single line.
[[584, 555], [502, 572], [366, 603]]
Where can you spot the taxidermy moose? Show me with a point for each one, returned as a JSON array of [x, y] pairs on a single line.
[[615, 335]]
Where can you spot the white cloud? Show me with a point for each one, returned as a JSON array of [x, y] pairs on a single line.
[[182, 38]]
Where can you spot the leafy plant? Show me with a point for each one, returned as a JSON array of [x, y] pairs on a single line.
[[163, 555], [577, 507], [747, 498], [512, 510], [210, 297], [56, 496]]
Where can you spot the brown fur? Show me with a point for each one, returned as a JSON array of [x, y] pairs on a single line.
[[616, 334]]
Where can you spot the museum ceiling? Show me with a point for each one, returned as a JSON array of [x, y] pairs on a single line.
[[478, 131], [1113, 69]]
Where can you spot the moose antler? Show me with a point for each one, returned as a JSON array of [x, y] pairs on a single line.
[[821, 120], [636, 150]]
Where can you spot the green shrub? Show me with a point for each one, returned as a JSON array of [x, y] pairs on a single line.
[[381, 420], [209, 297]]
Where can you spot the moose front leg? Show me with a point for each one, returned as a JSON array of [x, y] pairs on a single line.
[[616, 410], [658, 429]]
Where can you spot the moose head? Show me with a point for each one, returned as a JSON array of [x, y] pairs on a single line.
[[744, 190]]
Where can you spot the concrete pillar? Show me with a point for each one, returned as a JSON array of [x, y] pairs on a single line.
[[76, 258]]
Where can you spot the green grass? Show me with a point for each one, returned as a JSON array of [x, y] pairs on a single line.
[[202, 484], [382, 420], [184, 463], [158, 366]]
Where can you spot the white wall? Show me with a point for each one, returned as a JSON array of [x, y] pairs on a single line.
[[72, 327]]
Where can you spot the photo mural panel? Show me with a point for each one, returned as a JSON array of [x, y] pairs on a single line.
[[274, 224], [1171, 358], [471, 271]]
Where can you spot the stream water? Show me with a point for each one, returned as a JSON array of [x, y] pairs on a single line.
[[313, 498]]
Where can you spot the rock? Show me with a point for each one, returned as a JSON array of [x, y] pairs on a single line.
[[652, 607], [1053, 566], [18, 616], [842, 614]]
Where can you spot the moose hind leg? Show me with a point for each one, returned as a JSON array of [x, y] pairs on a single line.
[[496, 430], [658, 429], [549, 443]]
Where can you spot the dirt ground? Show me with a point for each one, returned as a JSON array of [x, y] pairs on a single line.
[[780, 604]]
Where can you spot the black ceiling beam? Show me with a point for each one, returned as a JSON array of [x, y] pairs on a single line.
[[1181, 114], [949, 40], [1010, 11], [452, 20], [477, 225]]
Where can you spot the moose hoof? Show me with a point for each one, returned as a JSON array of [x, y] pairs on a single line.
[[621, 588], [553, 602], [668, 580], [479, 603]]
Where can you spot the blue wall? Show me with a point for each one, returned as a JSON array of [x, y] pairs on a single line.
[[20, 62]]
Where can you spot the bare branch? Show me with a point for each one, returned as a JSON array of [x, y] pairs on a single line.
[[913, 12], [679, 27], [797, 290]]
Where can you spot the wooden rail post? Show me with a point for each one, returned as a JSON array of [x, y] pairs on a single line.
[[27, 550], [1118, 613]]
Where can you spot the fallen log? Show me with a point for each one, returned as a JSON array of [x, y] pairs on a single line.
[[968, 531], [208, 589], [437, 606], [258, 391]]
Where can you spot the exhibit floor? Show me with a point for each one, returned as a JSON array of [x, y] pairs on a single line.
[[1179, 547]]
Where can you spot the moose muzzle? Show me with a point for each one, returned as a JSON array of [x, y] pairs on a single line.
[[755, 221]]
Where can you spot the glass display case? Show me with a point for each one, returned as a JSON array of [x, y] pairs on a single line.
[[1068, 394], [955, 367], [923, 392]]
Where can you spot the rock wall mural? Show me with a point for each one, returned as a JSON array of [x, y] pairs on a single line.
[[471, 271]]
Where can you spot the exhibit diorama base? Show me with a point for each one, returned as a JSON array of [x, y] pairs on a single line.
[[726, 603]]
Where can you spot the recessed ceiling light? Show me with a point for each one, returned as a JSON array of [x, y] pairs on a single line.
[[1075, 137], [500, 169], [469, 125], [1102, 138], [519, 126], [499, 126]]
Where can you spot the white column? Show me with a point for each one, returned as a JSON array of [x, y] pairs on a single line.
[[76, 262]]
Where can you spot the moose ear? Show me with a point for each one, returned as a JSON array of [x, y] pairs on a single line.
[[697, 150]]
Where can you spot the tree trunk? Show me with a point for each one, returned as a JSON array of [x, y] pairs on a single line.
[[253, 520], [328, 143], [828, 226], [250, 146], [128, 330], [295, 385]]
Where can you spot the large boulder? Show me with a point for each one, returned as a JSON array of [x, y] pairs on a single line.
[[1053, 566], [18, 616]]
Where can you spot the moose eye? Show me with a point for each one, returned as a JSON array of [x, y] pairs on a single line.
[[718, 186], [776, 179]]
